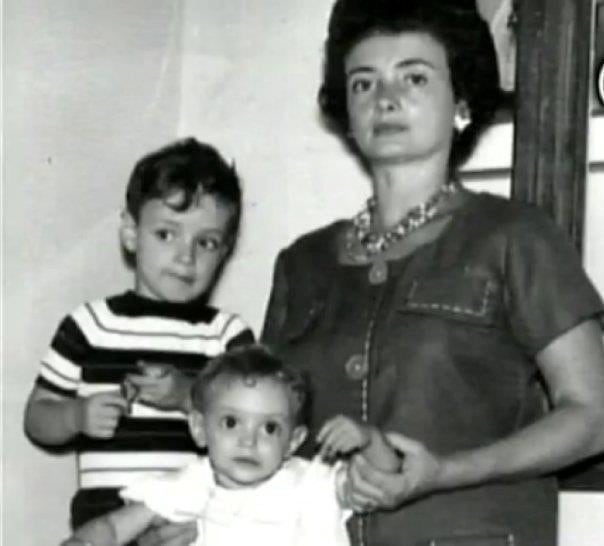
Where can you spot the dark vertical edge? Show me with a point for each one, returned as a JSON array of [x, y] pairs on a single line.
[[551, 116]]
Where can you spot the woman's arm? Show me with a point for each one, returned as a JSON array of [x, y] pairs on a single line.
[[573, 368]]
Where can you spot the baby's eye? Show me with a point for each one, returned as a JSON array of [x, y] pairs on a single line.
[[271, 428], [164, 234], [229, 421], [360, 85], [211, 244]]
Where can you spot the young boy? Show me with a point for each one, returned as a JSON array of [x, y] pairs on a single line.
[[182, 213], [247, 411]]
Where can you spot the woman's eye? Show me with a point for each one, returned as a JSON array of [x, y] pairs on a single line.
[[229, 422], [416, 79], [360, 85], [272, 428], [209, 243], [164, 234]]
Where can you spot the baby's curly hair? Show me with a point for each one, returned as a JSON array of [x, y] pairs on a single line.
[[251, 364], [457, 26]]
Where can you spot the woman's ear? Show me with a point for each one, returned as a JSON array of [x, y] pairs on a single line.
[[298, 436], [197, 429], [128, 232]]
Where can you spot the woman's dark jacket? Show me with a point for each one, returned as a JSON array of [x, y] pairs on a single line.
[[443, 352]]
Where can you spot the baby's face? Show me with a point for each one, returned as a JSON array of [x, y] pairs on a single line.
[[249, 431]]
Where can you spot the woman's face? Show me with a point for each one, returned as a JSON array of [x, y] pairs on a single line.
[[400, 98]]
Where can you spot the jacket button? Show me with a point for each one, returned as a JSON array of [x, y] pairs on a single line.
[[357, 367]]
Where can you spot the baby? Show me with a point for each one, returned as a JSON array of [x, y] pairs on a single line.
[[248, 412]]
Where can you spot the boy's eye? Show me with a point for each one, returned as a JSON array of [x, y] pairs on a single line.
[[164, 234], [211, 244], [271, 428], [229, 421]]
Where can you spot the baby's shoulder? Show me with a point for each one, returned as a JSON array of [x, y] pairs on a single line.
[[303, 474]]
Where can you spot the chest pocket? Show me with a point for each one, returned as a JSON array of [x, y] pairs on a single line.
[[455, 294]]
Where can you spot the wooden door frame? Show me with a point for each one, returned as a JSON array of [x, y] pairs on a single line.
[[553, 78]]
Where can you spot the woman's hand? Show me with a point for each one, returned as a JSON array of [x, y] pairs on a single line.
[[371, 489], [573, 368], [169, 534]]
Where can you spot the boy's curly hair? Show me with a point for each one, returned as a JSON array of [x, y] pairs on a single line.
[[185, 167]]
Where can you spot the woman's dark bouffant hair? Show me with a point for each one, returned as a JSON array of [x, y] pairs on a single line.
[[456, 24]]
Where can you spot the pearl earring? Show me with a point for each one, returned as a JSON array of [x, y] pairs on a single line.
[[461, 121]]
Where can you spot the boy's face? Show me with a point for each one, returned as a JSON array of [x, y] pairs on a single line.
[[248, 429], [177, 253]]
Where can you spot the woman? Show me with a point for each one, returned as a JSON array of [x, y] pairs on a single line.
[[461, 323]]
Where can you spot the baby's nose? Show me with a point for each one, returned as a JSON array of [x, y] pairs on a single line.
[[248, 438]]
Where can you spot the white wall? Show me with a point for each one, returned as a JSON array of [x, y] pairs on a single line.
[[89, 86], [93, 84], [250, 77]]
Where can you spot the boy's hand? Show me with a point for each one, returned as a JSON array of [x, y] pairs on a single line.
[[161, 385], [342, 435], [97, 416]]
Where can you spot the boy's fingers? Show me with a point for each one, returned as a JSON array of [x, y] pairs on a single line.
[[154, 370], [141, 381], [114, 400], [104, 431]]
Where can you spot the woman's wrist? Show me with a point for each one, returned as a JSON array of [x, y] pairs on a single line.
[[461, 469]]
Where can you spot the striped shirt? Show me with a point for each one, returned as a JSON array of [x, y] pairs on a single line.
[[102, 341]]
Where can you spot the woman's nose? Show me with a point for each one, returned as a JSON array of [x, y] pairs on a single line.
[[387, 96]]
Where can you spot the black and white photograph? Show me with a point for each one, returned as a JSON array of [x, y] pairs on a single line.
[[302, 273]]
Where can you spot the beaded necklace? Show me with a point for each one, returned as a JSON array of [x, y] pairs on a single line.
[[374, 244]]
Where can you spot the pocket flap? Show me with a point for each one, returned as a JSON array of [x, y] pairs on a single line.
[[456, 294]]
